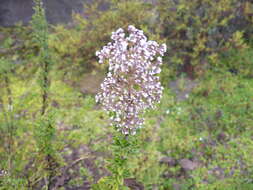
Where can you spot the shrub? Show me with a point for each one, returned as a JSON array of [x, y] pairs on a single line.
[[45, 130], [238, 59], [198, 30], [76, 45]]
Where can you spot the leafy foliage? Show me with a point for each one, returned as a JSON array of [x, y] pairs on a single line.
[[76, 46], [197, 31]]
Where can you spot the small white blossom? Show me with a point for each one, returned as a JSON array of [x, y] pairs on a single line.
[[179, 110], [132, 84], [10, 108], [3, 173]]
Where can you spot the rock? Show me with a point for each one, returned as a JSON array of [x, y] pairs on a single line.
[[2, 37], [168, 175], [55, 104], [12, 11], [218, 172], [188, 165], [168, 160], [57, 11], [222, 137], [155, 187], [182, 87], [176, 186], [133, 184]]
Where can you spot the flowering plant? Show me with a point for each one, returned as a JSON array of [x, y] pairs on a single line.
[[132, 84]]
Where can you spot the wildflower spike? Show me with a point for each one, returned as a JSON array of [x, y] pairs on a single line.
[[132, 84]]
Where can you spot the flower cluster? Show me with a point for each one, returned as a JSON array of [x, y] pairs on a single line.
[[132, 84]]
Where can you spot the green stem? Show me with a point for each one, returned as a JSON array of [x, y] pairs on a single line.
[[40, 27], [10, 127], [123, 147]]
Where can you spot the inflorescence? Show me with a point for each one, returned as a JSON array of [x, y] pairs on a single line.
[[132, 84]]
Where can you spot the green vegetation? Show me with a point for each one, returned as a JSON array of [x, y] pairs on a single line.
[[53, 135]]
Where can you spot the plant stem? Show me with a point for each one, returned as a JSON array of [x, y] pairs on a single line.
[[41, 33], [9, 121], [45, 90]]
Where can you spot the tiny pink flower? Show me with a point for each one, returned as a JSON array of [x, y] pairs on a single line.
[[132, 84]]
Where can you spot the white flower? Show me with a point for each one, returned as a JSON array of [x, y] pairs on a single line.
[[132, 84], [179, 110], [97, 53], [10, 107]]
